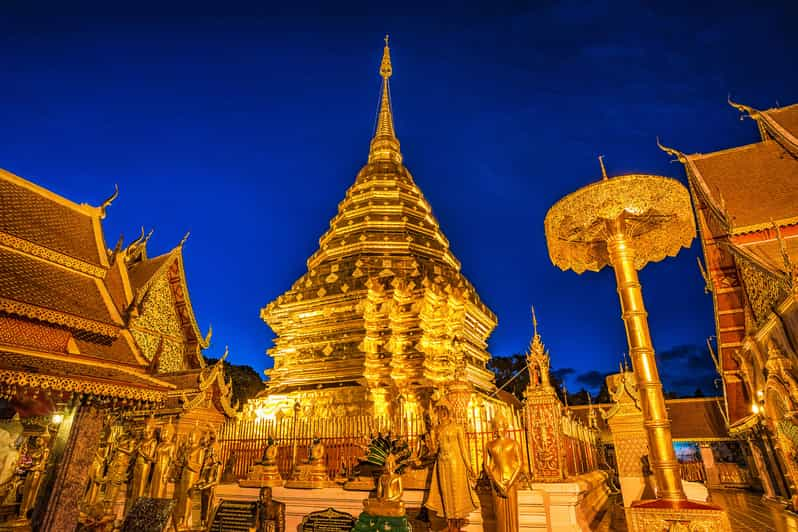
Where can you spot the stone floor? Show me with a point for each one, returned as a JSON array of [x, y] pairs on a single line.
[[747, 513]]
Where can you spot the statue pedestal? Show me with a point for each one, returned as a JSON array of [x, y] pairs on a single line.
[[373, 523], [262, 476], [309, 476], [643, 516]]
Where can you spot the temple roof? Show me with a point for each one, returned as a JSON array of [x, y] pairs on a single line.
[[46, 219], [67, 303], [754, 184], [786, 117], [692, 419], [44, 291]]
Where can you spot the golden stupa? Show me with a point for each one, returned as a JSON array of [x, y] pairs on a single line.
[[383, 318]]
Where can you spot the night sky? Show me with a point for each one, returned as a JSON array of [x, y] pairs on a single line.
[[247, 126]]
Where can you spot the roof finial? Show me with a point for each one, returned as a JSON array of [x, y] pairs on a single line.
[[385, 145], [603, 170], [534, 321], [107, 203]]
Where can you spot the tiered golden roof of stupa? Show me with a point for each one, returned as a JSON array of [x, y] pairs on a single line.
[[383, 310]]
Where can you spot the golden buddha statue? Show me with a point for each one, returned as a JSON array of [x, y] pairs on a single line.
[[313, 473], [265, 472], [192, 454], [162, 462], [451, 495], [145, 456], [117, 475], [388, 502], [33, 480], [503, 465]]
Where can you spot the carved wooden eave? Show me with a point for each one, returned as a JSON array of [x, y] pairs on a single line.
[[203, 388]]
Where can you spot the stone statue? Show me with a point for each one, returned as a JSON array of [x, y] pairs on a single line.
[[192, 454], [503, 465], [162, 462], [388, 502], [33, 480], [450, 494], [118, 475], [210, 474], [145, 456], [271, 514]]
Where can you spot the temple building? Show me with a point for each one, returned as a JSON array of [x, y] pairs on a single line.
[[384, 317], [92, 340], [746, 202]]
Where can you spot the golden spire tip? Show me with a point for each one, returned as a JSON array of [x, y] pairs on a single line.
[[385, 67], [603, 170]]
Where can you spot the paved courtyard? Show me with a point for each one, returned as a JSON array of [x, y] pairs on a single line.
[[747, 513]]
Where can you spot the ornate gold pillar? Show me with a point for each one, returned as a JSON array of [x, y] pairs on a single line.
[[627, 222]]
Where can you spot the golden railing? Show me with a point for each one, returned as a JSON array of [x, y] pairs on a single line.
[[345, 440]]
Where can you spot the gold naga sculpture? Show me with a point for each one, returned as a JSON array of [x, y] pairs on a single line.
[[33, 479], [451, 496], [163, 461], [313, 473], [145, 457], [388, 502], [502, 465], [265, 472], [191, 461], [626, 222]]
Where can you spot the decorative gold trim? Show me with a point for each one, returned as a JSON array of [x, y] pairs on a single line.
[[59, 318], [41, 252], [133, 372], [69, 384]]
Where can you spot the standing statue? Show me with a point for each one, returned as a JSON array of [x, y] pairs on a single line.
[[145, 456], [503, 465], [210, 474], [450, 494], [118, 474], [33, 480], [96, 475], [189, 475], [271, 514], [163, 459], [9, 455]]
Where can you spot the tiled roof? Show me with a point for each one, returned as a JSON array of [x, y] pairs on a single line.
[[41, 284], [692, 419], [40, 219], [108, 379], [786, 117], [756, 183], [117, 350]]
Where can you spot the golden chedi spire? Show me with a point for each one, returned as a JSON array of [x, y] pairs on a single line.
[[385, 145]]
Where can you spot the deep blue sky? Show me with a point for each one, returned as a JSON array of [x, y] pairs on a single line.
[[246, 127]]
